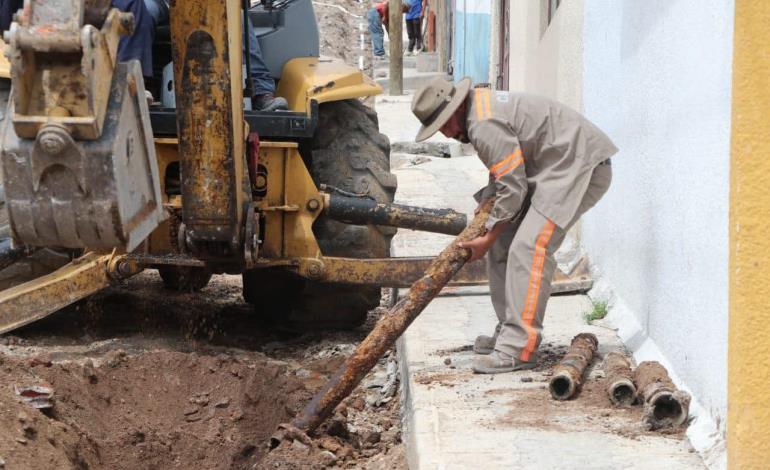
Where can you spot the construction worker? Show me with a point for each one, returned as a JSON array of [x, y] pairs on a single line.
[[137, 46], [547, 165], [377, 17], [413, 17]]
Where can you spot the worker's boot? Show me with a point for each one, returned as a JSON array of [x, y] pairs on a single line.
[[499, 362], [484, 344], [269, 102]]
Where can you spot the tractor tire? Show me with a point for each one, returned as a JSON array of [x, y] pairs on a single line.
[[184, 278], [349, 153]]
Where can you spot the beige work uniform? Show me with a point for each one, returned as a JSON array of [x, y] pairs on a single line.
[[547, 165]]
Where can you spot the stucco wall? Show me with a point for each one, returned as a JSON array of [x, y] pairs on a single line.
[[657, 79]]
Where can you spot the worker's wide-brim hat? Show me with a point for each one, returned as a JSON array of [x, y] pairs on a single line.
[[436, 102]]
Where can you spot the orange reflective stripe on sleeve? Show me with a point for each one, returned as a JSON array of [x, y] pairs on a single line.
[[479, 107], [533, 291], [482, 103], [487, 103], [503, 171], [507, 164]]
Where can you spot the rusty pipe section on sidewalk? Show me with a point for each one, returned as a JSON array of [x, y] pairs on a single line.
[[567, 376], [362, 211], [387, 330], [664, 405], [619, 379]]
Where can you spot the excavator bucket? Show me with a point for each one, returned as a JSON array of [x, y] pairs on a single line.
[[78, 158]]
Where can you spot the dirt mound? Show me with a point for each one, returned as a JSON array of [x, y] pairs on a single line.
[[338, 23], [144, 378], [156, 410]]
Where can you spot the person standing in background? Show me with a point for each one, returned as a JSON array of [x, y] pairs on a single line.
[[414, 26], [377, 17]]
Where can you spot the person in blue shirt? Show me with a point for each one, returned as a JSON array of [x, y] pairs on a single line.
[[414, 26]]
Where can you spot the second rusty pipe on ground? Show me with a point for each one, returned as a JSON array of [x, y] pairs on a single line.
[[362, 211], [620, 379]]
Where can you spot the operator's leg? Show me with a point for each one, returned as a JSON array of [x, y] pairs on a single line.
[[139, 45], [375, 30], [8, 8], [529, 272], [263, 84], [158, 11]]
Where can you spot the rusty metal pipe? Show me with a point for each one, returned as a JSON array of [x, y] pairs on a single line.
[[619, 378], [362, 211], [567, 376], [388, 328], [664, 405]]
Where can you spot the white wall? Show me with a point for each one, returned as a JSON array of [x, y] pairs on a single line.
[[547, 61], [657, 79]]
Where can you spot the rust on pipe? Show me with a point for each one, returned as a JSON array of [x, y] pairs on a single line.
[[387, 329], [619, 379], [567, 376], [362, 211], [664, 405]]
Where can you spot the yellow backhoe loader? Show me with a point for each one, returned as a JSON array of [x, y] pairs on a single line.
[[98, 185]]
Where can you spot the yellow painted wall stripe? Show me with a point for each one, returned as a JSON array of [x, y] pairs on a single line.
[[748, 416]]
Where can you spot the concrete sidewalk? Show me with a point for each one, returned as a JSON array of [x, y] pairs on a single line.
[[454, 419]]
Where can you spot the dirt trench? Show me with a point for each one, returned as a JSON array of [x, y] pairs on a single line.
[[145, 378]]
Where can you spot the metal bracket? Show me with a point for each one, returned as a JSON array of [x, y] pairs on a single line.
[[404, 271], [54, 146], [40, 297]]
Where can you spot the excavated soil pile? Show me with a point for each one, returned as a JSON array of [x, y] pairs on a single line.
[[145, 378], [156, 410], [340, 36]]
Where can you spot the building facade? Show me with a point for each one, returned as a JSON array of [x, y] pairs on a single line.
[[657, 76]]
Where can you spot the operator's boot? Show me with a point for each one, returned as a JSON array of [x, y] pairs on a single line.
[[484, 344], [269, 102], [499, 362]]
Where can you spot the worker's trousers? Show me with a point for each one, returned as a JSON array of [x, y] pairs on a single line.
[[521, 266], [376, 31]]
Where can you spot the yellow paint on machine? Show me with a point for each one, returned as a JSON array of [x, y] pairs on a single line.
[[749, 324], [309, 78]]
